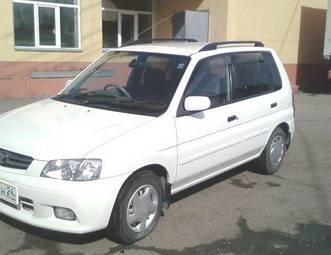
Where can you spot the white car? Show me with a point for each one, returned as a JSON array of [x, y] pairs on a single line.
[[138, 125]]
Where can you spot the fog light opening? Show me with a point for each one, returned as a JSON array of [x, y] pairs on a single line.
[[64, 214]]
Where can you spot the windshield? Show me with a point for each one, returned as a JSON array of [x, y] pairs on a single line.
[[132, 82]]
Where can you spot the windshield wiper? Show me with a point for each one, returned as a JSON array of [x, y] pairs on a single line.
[[142, 103], [83, 96], [64, 98], [124, 103], [98, 100]]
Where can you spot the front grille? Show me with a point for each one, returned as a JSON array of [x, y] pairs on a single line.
[[14, 160]]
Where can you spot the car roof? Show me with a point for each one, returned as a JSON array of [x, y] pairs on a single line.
[[188, 48], [176, 48]]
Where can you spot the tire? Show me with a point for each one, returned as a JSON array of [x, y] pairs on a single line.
[[134, 215], [272, 156]]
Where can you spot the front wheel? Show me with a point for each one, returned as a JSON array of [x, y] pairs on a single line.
[[137, 208], [272, 156]]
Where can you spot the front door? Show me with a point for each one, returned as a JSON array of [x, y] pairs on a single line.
[[207, 140]]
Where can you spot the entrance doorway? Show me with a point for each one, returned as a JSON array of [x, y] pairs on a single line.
[[128, 28], [120, 27]]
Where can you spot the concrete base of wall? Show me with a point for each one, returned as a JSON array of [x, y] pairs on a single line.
[[16, 81]]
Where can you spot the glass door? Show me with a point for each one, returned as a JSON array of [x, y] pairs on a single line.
[[145, 26], [127, 29], [110, 32], [121, 27]]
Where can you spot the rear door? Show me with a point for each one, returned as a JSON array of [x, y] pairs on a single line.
[[256, 93]]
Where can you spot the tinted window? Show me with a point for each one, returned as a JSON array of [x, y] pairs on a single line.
[[210, 79], [271, 72], [253, 74]]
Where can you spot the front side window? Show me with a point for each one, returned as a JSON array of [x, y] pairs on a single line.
[[133, 82], [253, 74], [210, 79], [46, 23]]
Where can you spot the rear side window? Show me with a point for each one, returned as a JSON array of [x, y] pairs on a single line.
[[253, 74]]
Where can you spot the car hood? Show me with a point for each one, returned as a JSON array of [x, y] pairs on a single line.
[[51, 129]]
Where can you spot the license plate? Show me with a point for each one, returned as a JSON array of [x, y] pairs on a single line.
[[8, 193]]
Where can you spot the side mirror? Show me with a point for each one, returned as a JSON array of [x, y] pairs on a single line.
[[197, 103]]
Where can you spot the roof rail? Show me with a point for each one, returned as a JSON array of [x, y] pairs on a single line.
[[143, 41], [215, 45]]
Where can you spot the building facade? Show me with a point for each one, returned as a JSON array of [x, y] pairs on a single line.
[[43, 43]]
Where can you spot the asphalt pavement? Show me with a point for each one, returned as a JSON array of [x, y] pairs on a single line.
[[240, 212]]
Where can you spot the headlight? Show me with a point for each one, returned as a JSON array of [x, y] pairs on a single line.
[[73, 169]]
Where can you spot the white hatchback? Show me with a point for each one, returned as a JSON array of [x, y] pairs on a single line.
[[139, 124]]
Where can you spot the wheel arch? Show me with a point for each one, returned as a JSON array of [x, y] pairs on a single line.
[[163, 173], [158, 169], [286, 128]]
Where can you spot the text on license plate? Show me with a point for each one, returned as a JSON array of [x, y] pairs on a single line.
[[8, 193]]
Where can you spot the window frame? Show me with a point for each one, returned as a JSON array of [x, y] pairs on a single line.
[[56, 7], [181, 112]]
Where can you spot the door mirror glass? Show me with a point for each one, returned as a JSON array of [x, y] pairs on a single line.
[[197, 103]]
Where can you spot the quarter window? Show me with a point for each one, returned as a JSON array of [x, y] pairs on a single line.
[[210, 79], [46, 23], [253, 74]]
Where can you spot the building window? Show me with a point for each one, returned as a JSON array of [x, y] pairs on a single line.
[[124, 21], [46, 23]]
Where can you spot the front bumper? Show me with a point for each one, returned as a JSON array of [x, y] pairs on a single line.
[[91, 201]]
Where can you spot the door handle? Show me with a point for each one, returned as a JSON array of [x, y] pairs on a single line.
[[273, 105], [232, 118]]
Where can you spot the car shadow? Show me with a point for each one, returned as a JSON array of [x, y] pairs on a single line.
[[53, 235], [213, 181]]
